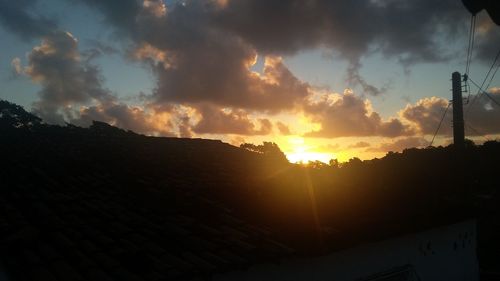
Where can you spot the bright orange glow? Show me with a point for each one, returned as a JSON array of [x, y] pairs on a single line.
[[304, 157], [301, 152]]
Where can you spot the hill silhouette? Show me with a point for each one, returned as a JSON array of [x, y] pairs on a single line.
[[118, 204]]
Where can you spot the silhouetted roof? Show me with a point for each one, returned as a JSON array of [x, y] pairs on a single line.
[[60, 224], [105, 204]]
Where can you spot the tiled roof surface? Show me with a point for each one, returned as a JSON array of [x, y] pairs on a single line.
[[65, 223]]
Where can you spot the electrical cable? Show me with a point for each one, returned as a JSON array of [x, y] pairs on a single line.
[[440, 122], [483, 92], [484, 81], [470, 47]]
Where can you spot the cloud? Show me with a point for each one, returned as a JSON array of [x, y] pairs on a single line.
[[426, 114], [265, 126], [220, 74], [197, 62], [399, 144], [19, 17], [355, 79], [203, 52], [73, 90], [285, 27], [487, 38], [155, 7], [361, 144], [350, 116], [283, 128], [495, 90], [404, 29], [481, 115], [66, 80], [185, 130], [237, 141], [207, 47], [120, 13], [17, 68], [229, 121], [135, 118]]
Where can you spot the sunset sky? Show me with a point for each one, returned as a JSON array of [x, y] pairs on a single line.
[[321, 78]]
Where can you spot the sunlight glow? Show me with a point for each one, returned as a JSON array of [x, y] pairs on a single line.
[[300, 152], [305, 157]]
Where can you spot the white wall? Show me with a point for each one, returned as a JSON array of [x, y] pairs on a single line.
[[441, 261]]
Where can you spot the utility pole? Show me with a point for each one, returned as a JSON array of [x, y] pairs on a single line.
[[458, 113]]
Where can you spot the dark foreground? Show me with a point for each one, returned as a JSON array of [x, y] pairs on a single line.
[[105, 204]]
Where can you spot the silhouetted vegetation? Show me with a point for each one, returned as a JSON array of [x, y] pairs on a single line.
[[14, 116], [300, 204]]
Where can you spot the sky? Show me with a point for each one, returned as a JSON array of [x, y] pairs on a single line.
[[324, 79]]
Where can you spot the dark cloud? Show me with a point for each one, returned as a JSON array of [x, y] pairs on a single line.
[[195, 61], [351, 116], [207, 47], [426, 114], [481, 115], [221, 75], [73, 90], [66, 80], [406, 29], [229, 121], [19, 17], [487, 38], [120, 13], [202, 54]]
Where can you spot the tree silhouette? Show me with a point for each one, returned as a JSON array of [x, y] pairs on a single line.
[[14, 116], [269, 149]]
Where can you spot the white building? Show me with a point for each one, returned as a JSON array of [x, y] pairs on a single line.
[[443, 253]]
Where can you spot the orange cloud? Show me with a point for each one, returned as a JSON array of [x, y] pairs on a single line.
[[348, 115], [399, 144], [154, 55], [155, 7], [229, 121], [282, 128], [135, 118], [426, 113]]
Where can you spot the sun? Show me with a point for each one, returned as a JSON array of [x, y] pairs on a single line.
[[302, 153], [305, 157]]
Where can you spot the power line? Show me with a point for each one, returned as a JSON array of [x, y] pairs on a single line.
[[440, 122], [483, 92], [484, 81], [493, 76], [470, 47]]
